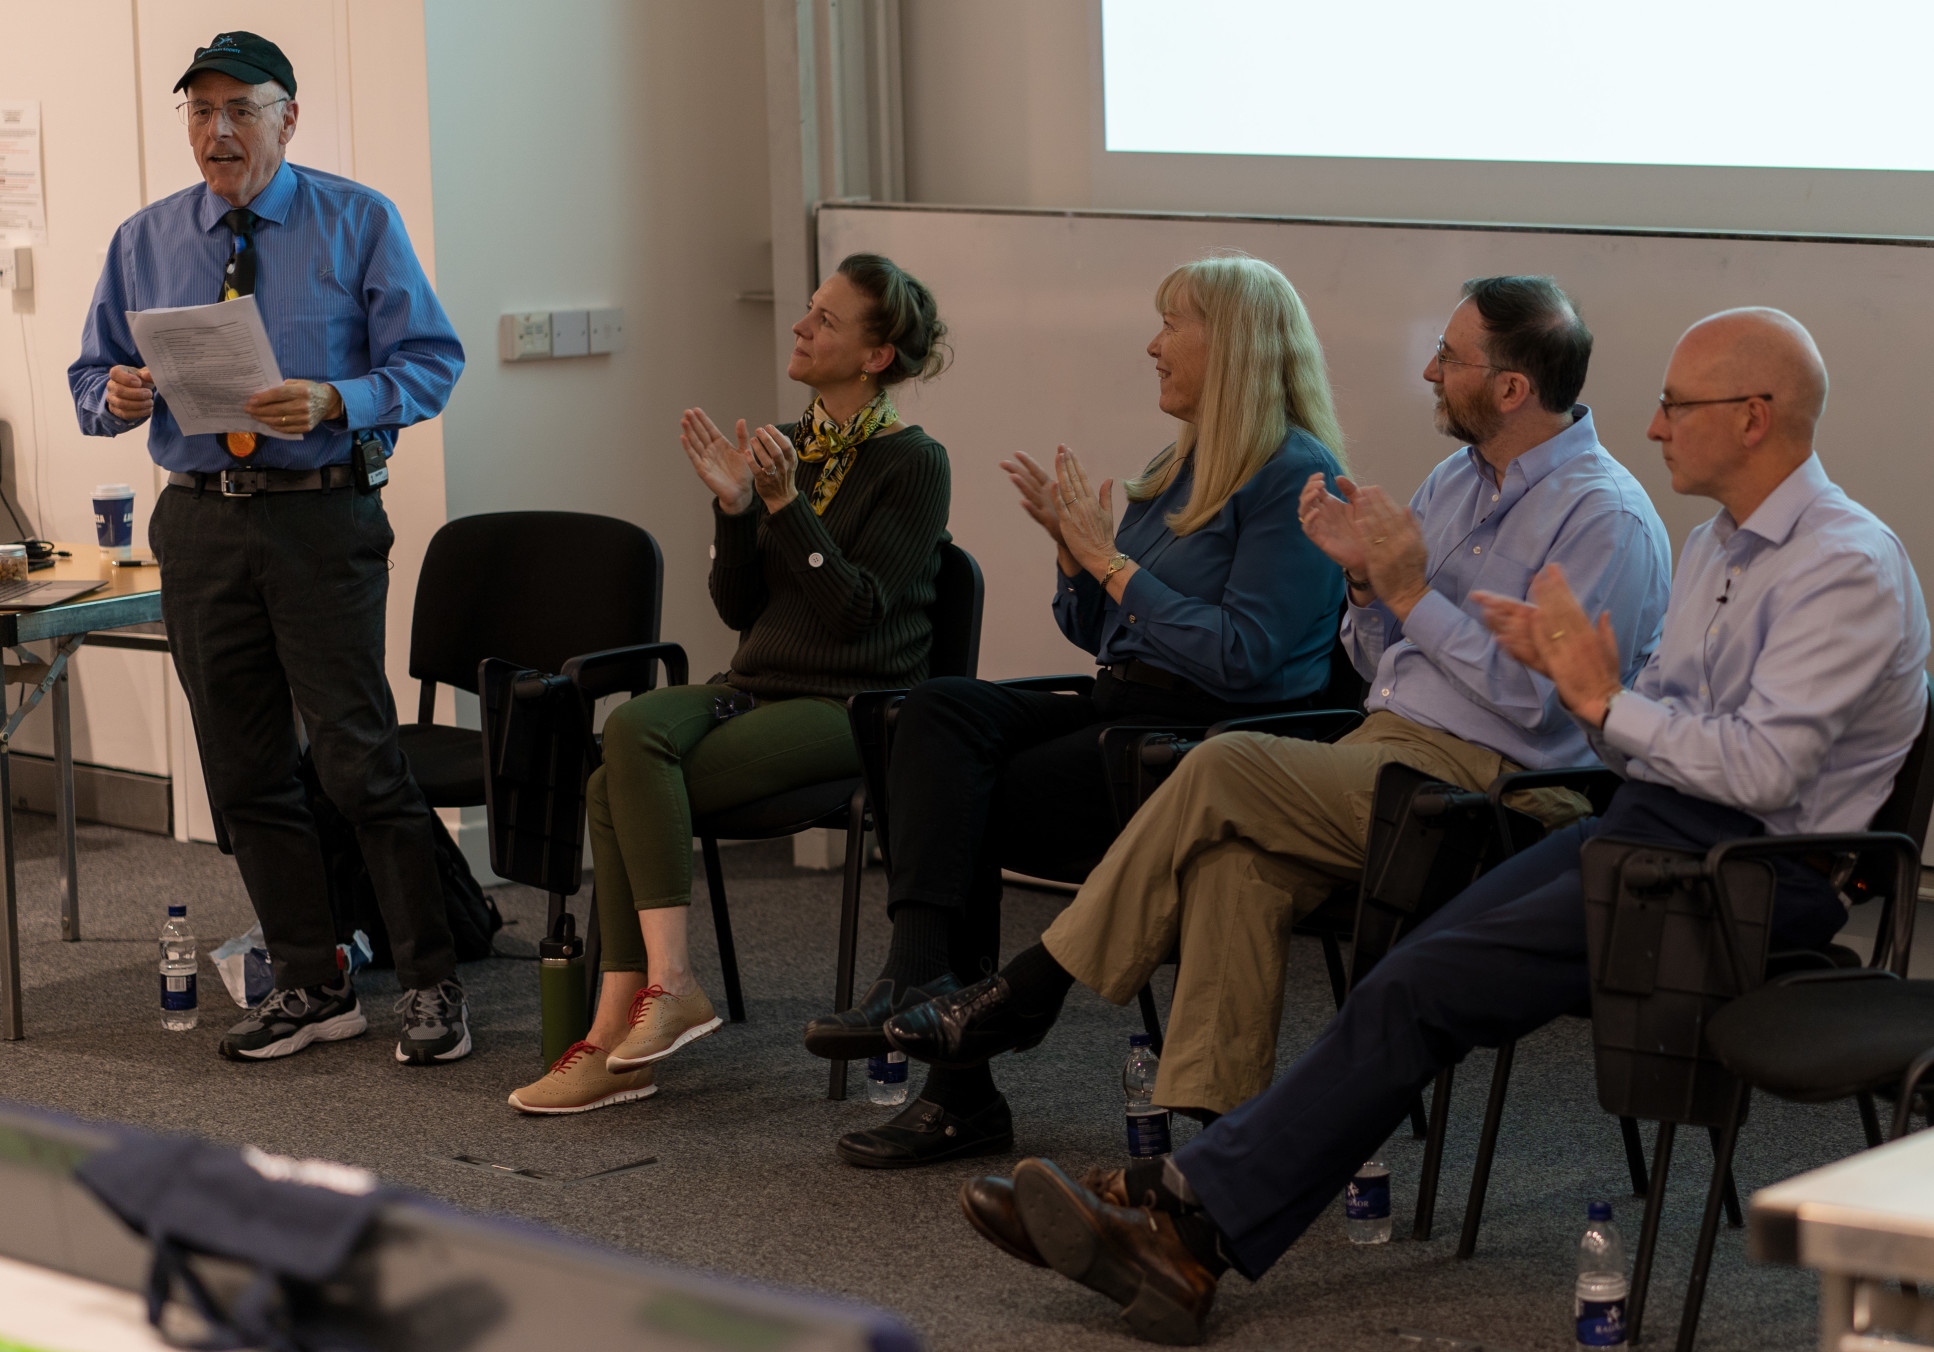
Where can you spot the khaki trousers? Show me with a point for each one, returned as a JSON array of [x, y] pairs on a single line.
[[1250, 833]]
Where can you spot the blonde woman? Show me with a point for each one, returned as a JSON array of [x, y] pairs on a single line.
[[1208, 602]]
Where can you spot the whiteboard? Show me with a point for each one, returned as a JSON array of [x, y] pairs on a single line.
[[1051, 311]]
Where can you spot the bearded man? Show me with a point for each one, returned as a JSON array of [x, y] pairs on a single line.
[[1252, 831]]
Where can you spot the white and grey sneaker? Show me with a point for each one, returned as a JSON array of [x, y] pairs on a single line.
[[436, 1024], [289, 1020]]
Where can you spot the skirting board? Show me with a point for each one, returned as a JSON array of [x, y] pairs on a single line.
[[112, 797]]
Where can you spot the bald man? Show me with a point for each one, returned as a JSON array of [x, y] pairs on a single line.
[[1782, 699]]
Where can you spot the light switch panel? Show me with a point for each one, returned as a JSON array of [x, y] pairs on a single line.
[[607, 331], [570, 333]]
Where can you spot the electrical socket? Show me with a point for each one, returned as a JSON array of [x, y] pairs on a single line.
[[17, 269], [524, 337], [607, 331]]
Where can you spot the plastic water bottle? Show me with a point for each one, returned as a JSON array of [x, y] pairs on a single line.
[[1366, 1205], [1599, 1309], [886, 1079], [1148, 1135], [178, 1008]]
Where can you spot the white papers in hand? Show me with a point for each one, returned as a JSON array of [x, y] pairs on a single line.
[[207, 360]]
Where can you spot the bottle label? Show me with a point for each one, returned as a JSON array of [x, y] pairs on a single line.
[[890, 1069], [1601, 1323], [1148, 1135], [177, 992], [1367, 1199]]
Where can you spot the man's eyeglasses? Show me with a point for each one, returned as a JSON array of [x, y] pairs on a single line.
[[240, 112], [1445, 360], [1671, 406]]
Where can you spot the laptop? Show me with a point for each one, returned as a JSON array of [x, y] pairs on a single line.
[[34, 595]]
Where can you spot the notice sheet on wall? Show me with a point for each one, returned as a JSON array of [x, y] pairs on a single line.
[[23, 194]]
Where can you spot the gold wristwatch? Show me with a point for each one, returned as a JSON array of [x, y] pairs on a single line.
[[1115, 565]]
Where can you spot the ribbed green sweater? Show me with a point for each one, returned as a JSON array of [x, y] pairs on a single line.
[[837, 604]]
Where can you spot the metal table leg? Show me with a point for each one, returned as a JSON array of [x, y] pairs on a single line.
[[11, 1024], [70, 887]]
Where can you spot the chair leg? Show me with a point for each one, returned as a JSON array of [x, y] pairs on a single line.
[[722, 922], [1869, 1119], [1730, 1192], [1722, 1168], [1910, 1088], [1634, 1153], [593, 957], [1151, 1017], [1649, 1230], [1333, 959], [1433, 1153], [1419, 1120], [1486, 1147], [849, 930]]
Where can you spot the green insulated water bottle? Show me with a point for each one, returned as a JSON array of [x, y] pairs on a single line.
[[561, 988]]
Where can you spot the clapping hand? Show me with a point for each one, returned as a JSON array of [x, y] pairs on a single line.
[[1551, 633], [1330, 523], [773, 462], [1037, 500], [722, 467], [1086, 515], [1393, 549]]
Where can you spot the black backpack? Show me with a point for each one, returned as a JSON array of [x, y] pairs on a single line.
[[473, 915]]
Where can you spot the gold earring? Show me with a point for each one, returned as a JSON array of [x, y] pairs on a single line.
[[862, 377]]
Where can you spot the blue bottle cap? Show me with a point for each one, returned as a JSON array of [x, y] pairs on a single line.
[[1599, 1211], [177, 910], [1138, 1039]]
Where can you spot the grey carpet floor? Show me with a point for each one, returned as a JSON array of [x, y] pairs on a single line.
[[745, 1180]]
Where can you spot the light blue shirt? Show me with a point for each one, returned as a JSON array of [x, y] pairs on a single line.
[[1244, 606], [1565, 501], [1795, 697], [342, 297]]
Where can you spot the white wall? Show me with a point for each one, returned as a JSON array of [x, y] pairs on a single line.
[[1003, 108], [104, 71], [604, 152]]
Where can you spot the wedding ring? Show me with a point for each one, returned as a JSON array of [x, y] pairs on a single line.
[[1380, 539], [1557, 633]]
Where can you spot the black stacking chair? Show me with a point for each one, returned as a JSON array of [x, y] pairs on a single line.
[[533, 588], [1818, 1031], [841, 804]]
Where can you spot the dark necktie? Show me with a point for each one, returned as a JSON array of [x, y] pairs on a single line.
[[238, 280]]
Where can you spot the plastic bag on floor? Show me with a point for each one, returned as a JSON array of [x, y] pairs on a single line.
[[244, 964]]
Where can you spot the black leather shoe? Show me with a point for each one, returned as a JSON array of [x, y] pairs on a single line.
[[854, 1034], [967, 1027], [926, 1133]]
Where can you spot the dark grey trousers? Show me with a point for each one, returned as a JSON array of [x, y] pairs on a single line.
[[281, 596]]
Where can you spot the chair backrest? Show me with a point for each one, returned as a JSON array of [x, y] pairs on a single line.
[[1346, 688], [1908, 806], [533, 588], [955, 613]]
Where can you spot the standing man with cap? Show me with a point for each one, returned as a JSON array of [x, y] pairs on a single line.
[[275, 554]]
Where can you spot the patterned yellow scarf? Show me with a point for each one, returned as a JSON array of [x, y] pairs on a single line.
[[820, 438]]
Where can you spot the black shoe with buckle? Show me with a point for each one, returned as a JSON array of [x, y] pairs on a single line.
[[926, 1133], [854, 1034]]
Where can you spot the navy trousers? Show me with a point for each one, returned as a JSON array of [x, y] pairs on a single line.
[[1502, 959]]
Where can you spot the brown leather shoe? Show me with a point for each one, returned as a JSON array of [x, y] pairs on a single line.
[[988, 1204], [1130, 1254]]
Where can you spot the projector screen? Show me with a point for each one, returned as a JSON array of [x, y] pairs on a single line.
[[1735, 83]]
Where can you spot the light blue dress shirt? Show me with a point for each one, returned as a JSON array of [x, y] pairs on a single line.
[[1793, 698], [1244, 606], [342, 297], [1565, 501]]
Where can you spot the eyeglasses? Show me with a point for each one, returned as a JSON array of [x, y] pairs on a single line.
[[240, 112], [1671, 406], [1443, 360]]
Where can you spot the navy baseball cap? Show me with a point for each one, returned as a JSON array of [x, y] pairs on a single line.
[[250, 59]]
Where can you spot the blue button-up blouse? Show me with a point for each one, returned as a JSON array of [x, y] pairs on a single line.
[[1245, 606]]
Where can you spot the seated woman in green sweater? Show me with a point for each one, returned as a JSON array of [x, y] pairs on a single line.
[[826, 547]]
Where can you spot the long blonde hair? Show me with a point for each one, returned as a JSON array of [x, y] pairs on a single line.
[[1265, 376]]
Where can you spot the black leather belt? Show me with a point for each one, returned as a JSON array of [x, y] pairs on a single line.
[[246, 483], [1137, 672]]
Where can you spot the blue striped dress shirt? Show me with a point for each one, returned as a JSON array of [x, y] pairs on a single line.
[[342, 297], [1791, 676], [1565, 501]]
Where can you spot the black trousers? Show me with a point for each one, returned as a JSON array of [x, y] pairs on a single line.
[[985, 777], [282, 596]]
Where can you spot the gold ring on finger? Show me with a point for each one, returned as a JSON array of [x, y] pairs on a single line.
[[1380, 539], [1557, 634]]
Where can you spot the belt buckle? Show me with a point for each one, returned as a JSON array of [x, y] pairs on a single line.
[[229, 491]]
